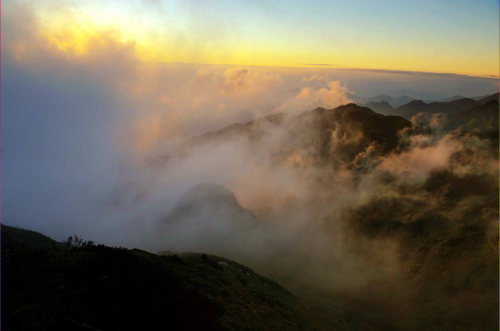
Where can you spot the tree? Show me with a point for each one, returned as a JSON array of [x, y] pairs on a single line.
[[76, 242]]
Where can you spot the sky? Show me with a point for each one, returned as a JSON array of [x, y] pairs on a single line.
[[92, 91], [458, 37]]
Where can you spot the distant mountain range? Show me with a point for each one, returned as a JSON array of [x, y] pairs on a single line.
[[393, 101], [374, 92], [456, 104], [366, 122], [417, 106], [402, 100]]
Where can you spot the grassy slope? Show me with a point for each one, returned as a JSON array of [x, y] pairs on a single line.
[[118, 289], [13, 237]]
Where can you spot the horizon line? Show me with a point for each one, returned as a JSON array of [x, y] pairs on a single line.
[[334, 67]]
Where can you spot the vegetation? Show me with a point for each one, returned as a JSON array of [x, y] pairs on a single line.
[[13, 237], [94, 287]]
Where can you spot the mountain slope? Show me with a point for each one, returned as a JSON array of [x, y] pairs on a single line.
[[416, 107], [413, 107], [394, 102], [209, 197], [447, 106], [104, 288], [333, 137], [453, 98], [483, 118], [382, 107], [208, 218], [489, 98], [13, 238]]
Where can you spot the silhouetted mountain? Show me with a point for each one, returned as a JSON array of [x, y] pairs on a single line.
[[417, 106], [252, 130], [453, 98], [414, 94], [464, 113], [489, 98], [209, 217], [13, 237], [211, 202], [394, 102], [480, 118], [346, 131], [356, 98], [426, 98], [477, 98], [105, 288], [324, 136], [382, 107]]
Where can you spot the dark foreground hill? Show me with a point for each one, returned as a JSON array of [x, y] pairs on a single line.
[[105, 288], [13, 237]]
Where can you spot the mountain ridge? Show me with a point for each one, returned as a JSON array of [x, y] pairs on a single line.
[[107, 288]]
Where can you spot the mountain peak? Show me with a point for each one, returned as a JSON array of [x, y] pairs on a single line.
[[352, 107], [416, 102], [207, 193], [209, 202]]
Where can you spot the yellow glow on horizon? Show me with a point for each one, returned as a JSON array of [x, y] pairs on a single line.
[[76, 33]]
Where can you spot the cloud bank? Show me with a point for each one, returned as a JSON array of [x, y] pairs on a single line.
[[91, 139]]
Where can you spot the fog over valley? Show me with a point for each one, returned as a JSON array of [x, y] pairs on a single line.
[[345, 198]]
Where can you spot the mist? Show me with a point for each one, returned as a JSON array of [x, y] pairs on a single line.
[[105, 145]]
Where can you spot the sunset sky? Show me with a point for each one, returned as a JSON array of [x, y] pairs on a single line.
[[432, 36], [92, 91]]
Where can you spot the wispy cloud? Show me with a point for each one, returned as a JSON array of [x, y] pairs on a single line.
[[319, 64], [413, 73]]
